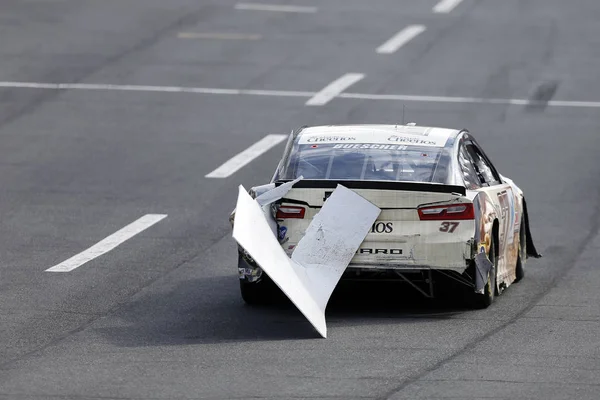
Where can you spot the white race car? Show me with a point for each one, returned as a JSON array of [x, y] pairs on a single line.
[[446, 214]]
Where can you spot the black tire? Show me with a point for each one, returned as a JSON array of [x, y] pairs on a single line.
[[256, 293], [520, 270], [480, 301]]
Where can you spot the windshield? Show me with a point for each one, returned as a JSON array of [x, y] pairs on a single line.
[[366, 161]]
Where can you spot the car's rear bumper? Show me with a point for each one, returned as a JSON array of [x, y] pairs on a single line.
[[454, 256]]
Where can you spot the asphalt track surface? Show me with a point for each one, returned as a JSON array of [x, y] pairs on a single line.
[[160, 317]]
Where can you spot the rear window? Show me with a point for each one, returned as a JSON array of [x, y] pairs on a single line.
[[366, 161]]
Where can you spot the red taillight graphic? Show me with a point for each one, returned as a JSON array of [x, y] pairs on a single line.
[[447, 212], [285, 212]]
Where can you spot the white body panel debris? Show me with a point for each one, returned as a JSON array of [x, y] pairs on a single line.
[[276, 193], [322, 255]]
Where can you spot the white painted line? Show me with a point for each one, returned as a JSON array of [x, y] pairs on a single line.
[[275, 7], [243, 158], [332, 90], [292, 93], [145, 88], [445, 6], [400, 39], [109, 243], [436, 99], [216, 35]]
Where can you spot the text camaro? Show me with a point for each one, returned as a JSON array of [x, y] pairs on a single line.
[[443, 214]]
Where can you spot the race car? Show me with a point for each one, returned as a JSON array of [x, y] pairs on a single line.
[[447, 215]]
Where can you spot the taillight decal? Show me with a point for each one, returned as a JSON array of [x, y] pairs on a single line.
[[448, 212]]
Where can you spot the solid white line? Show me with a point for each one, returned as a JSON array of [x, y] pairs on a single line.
[[292, 93], [275, 7], [332, 90], [445, 6], [436, 99], [400, 39], [146, 88], [109, 243], [243, 158], [217, 35]]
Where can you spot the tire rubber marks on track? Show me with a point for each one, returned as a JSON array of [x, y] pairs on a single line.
[[400, 39], [275, 8], [334, 89], [109, 243], [446, 6], [240, 160]]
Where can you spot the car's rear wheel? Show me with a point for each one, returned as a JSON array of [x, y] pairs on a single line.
[[484, 300], [519, 270]]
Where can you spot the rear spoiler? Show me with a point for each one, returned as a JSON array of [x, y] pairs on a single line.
[[381, 185]]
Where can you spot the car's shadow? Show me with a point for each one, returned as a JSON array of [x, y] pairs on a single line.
[[210, 310]]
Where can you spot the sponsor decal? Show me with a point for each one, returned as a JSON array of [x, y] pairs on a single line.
[[380, 251], [249, 272], [282, 232], [382, 227], [371, 146], [410, 140], [320, 139]]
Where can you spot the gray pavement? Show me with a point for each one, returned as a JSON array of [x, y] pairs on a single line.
[[160, 316]]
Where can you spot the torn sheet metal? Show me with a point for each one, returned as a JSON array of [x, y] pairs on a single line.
[[483, 266], [276, 193], [322, 255], [332, 239], [267, 194]]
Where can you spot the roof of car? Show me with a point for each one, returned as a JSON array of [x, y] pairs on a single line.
[[382, 134]]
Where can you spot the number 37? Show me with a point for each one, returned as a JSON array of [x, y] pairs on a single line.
[[448, 227]]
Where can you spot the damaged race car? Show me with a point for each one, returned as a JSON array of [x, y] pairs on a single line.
[[445, 211]]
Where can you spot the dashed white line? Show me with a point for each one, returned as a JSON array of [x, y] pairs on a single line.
[[445, 6], [400, 39], [275, 7], [238, 161], [334, 89], [109, 243], [217, 35], [292, 93]]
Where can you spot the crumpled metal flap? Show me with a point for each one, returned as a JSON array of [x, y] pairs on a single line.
[[252, 231], [483, 266], [322, 255], [531, 250]]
